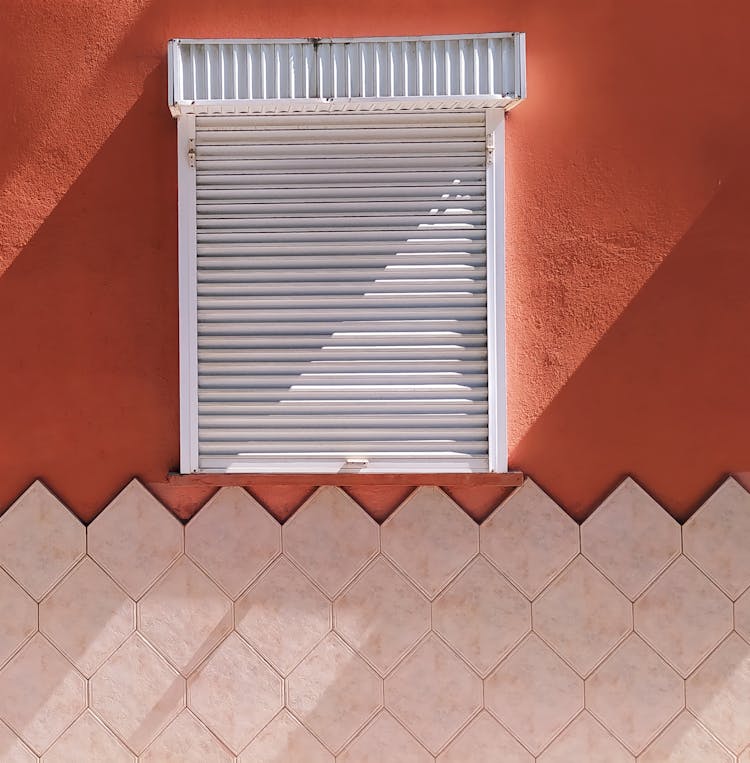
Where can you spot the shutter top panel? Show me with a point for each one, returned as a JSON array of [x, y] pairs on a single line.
[[357, 74]]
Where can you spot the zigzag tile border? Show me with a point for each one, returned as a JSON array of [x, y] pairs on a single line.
[[331, 638]]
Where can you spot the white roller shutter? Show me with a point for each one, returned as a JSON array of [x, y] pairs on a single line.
[[341, 292]]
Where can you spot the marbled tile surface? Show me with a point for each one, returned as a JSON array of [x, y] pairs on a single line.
[[331, 638]]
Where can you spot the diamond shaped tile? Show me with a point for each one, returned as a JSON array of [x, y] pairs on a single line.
[[135, 539], [430, 539], [585, 740], [285, 738], [233, 538], [685, 741], [630, 538], [382, 615], [12, 749], [235, 693], [715, 538], [433, 693], [88, 739], [136, 693], [41, 693], [718, 693], [87, 616], [582, 616], [331, 538], [40, 540], [186, 740], [385, 739], [481, 615], [283, 615], [333, 692], [534, 693], [529, 538], [19, 616], [185, 615], [484, 739], [683, 616], [634, 693], [745, 757]]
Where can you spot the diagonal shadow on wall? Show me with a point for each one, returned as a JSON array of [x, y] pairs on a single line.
[[666, 386]]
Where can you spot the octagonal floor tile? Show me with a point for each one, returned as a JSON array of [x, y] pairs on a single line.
[[40, 540], [718, 693], [484, 739], [283, 615], [582, 616], [534, 693], [87, 616], [285, 738], [634, 693], [19, 616], [186, 740], [429, 538], [529, 538], [185, 615], [683, 616], [233, 538], [88, 739], [585, 740], [630, 538], [331, 538], [135, 539], [715, 538], [136, 693], [433, 693], [385, 739], [235, 693], [481, 615], [382, 615], [334, 692], [41, 693], [685, 741]]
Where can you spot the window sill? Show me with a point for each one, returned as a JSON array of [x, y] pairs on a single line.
[[344, 479]]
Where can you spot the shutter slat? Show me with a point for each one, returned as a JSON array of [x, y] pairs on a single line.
[[343, 448], [413, 394], [388, 329], [403, 287], [219, 412], [422, 180], [341, 290], [326, 193], [365, 208], [313, 122], [345, 354]]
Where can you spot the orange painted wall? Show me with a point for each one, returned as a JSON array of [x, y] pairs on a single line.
[[628, 239]]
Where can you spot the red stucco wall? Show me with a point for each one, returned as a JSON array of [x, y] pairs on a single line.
[[628, 235]]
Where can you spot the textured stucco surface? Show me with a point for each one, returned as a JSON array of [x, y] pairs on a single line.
[[627, 240]]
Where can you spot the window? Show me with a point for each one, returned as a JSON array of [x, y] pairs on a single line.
[[341, 253]]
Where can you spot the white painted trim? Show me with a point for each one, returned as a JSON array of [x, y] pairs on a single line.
[[496, 387], [186, 198], [304, 105]]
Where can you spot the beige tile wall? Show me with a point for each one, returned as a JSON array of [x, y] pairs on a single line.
[[428, 638]]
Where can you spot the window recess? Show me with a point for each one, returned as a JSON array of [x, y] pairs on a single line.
[[341, 263]]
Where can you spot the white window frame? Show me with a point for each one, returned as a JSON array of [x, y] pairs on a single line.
[[496, 340]]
